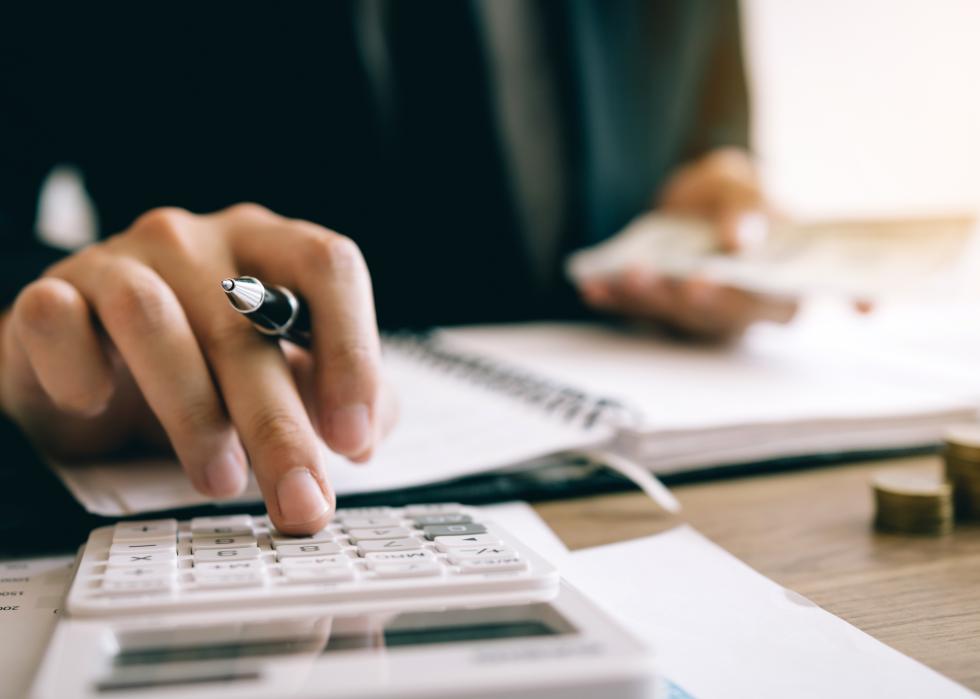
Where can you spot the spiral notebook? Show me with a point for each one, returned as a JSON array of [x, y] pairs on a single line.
[[500, 398]]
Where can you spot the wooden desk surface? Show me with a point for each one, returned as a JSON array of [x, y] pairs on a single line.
[[811, 531]]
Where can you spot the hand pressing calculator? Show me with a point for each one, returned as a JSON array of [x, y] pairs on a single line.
[[420, 601]]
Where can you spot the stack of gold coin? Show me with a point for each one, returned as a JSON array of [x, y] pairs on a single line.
[[962, 455], [913, 502]]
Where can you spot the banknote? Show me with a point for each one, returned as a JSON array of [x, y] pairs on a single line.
[[866, 259]]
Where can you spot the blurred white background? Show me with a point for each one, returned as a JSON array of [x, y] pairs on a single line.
[[867, 107]]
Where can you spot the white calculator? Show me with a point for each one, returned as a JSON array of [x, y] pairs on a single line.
[[420, 601], [362, 558]]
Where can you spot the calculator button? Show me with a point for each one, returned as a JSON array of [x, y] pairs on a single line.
[[228, 567], [448, 543], [137, 585], [347, 513], [247, 578], [222, 542], [357, 535], [143, 547], [318, 574], [140, 572], [417, 569], [150, 529], [366, 547], [142, 558], [338, 561], [431, 532], [291, 550], [399, 556], [322, 536], [215, 555], [464, 552], [218, 526], [369, 522], [491, 565], [449, 518], [441, 508]]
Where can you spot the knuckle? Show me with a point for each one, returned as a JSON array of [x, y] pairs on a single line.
[[333, 252], [223, 335], [162, 217], [168, 226], [198, 414], [250, 210], [360, 359], [135, 295], [282, 433], [43, 304]]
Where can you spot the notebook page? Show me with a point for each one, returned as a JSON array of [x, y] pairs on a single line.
[[775, 376], [448, 428]]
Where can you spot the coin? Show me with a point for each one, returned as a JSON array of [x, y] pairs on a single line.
[[962, 457], [913, 502]]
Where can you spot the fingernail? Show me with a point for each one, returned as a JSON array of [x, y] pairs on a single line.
[[300, 498], [350, 429], [226, 475]]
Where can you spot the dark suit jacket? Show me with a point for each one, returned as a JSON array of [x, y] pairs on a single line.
[[207, 104]]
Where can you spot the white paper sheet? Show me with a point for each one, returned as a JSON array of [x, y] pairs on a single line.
[[720, 630], [31, 592]]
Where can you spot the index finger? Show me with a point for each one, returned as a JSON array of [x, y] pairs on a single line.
[[329, 271]]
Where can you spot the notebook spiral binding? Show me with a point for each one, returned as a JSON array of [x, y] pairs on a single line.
[[565, 402]]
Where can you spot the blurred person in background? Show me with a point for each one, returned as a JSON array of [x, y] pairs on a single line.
[[459, 149]]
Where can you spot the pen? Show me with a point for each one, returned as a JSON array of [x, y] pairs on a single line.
[[273, 310]]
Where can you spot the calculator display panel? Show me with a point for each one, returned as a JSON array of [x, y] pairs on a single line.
[[159, 657]]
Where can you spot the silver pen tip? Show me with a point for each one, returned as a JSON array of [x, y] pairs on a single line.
[[227, 284]]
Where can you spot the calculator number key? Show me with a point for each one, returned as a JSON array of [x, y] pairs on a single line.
[[357, 535], [366, 547], [217, 555], [222, 542], [233, 525], [284, 551], [321, 537]]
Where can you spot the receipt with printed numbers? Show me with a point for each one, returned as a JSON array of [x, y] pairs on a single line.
[[864, 260], [31, 593]]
